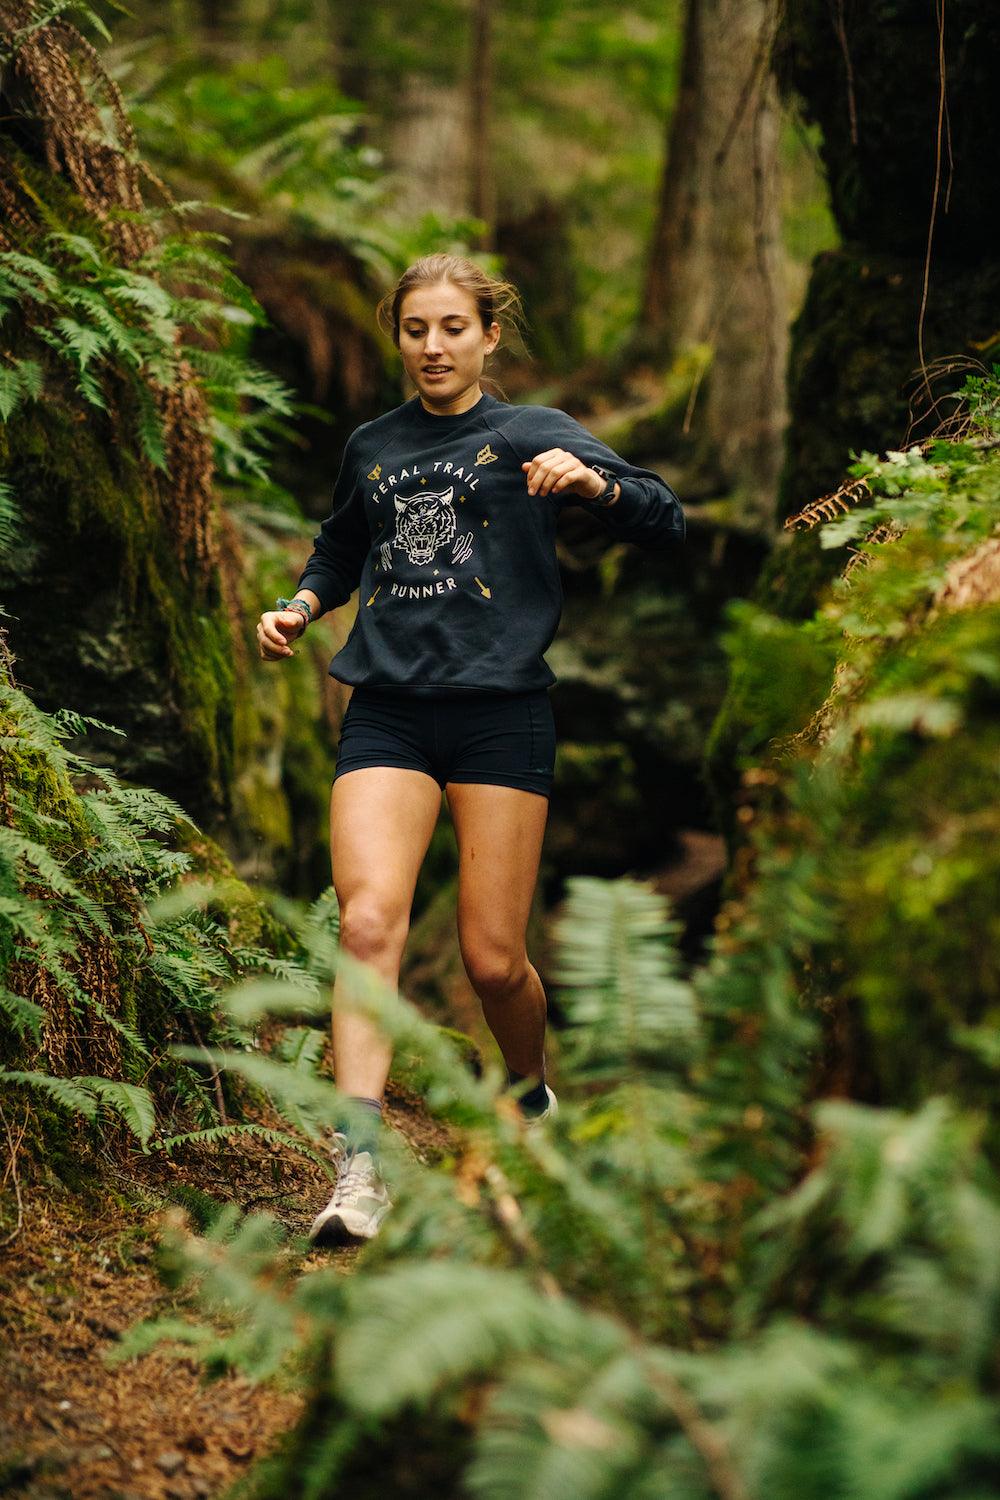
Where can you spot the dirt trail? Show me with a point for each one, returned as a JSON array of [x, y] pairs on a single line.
[[82, 1270]]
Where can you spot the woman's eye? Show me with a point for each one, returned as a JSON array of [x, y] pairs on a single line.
[[416, 333]]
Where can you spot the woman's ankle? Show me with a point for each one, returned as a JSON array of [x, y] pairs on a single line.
[[536, 1098]]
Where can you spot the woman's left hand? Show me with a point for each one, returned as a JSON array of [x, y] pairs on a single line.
[[555, 470]]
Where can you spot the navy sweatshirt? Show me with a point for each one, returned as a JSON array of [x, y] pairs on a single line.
[[456, 562]]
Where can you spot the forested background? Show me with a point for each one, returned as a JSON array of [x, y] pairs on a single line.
[[758, 1252]]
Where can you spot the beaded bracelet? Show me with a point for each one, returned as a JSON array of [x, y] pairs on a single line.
[[301, 606]]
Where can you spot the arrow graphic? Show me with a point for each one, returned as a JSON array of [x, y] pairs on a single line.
[[487, 593]]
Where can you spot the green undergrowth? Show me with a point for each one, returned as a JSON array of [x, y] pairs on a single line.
[[120, 923], [889, 769]]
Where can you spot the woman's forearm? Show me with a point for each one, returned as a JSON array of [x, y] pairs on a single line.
[[312, 600]]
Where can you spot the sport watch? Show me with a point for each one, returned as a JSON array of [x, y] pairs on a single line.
[[607, 495]]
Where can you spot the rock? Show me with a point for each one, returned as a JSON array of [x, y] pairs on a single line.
[[170, 1461]]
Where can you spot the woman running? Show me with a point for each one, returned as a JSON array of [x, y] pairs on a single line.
[[444, 515]]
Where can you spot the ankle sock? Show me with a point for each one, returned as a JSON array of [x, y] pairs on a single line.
[[362, 1136], [536, 1100]]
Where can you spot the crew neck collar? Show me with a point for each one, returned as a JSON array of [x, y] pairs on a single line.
[[444, 420]]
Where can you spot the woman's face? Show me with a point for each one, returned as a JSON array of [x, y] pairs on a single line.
[[439, 326]]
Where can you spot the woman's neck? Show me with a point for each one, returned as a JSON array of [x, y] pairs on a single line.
[[456, 405]]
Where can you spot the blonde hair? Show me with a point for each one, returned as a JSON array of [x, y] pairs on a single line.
[[497, 301]]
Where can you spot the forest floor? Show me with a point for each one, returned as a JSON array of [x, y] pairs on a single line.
[[83, 1269]]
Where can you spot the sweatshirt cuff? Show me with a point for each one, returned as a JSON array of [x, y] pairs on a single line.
[[330, 596], [628, 507]]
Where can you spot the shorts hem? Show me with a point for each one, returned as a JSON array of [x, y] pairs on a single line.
[[342, 769], [501, 778]]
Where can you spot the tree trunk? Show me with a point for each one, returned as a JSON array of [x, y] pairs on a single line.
[[427, 148], [483, 185], [715, 275]]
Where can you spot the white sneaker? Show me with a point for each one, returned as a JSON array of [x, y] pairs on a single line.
[[359, 1203], [550, 1109]]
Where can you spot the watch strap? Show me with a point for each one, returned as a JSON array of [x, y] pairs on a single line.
[[610, 480]]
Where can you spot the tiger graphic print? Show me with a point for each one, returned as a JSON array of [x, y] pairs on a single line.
[[425, 522]]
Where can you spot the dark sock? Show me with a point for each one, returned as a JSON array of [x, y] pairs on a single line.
[[536, 1100], [362, 1136]]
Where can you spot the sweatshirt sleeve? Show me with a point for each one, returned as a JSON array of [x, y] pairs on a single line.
[[333, 571], [646, 512]]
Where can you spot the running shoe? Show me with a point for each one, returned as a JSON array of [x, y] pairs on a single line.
[[359, 1203], [550, 1109]]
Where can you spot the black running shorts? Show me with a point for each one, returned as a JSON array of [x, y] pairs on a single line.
[[505, 739]]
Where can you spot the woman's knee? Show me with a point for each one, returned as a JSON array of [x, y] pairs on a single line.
[[372, 927], [494, 971]]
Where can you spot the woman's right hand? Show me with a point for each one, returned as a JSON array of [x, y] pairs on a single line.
[[276, 629]]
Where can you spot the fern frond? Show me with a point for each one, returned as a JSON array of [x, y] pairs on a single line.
[[30, 920], [68, 722], [587, 1424], [252, 999], [118, 335], [81, 343], [215, 1133], [411, 1331], [80, 246], [29, 276], [627, 1008], [24, 1015], [10, 518], [851, 492], [150, 429], [14, 846], [66, 1092], [19, 381], [301, 1098], [134, 1104]]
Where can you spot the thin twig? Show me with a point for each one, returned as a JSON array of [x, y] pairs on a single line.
[[11, 1171], [220, 1102], [510, 1220], [852, 109], [942, 96], [700, 1433]]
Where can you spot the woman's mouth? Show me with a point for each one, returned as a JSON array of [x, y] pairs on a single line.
[[434, 372]]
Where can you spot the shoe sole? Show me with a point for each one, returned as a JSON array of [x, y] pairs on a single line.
[[332, 1231], [550, 1109]]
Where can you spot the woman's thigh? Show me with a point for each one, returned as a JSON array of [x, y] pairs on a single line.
[[499, 830], [381, 821]]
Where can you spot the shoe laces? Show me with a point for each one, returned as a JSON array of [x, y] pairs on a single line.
[[355, 1179]]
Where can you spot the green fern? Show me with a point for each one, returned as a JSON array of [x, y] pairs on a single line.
[[628, 1010], [83, 1095], [69, 1093], [417, 1329], [20, 381], [24, 1015], [132, 1103], [97, 317], [10, 517], [215, 1133], [15, 846]]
